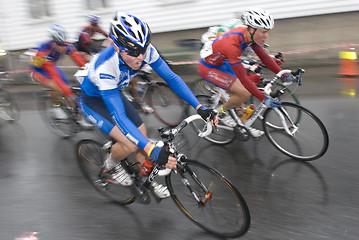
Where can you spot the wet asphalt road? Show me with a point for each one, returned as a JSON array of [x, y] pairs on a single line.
[[42, 189]]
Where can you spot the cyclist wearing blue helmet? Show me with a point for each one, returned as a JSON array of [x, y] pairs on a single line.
[[111, 70]]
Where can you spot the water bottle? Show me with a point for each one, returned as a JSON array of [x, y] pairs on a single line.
[[146, 167], [249, 111]]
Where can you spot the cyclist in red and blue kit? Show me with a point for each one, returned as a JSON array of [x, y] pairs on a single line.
[[105, 105], [84, 43], [221, 64], [45, 70]]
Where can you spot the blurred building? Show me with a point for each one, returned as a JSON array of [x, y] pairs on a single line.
[[24, 23]]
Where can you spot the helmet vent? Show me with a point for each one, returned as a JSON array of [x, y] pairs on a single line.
[[132, 33], [140, 37], [120, 27]]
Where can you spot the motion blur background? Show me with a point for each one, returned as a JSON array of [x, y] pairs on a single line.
[[43, 191], [317, 28]]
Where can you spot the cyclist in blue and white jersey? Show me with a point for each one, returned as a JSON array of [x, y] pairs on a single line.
[[103, 104]]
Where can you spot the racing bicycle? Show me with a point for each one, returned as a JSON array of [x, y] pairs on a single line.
[[292, 129], [202, 194]]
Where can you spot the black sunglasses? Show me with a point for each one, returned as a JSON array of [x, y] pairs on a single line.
[[60, 44], [135, 53]]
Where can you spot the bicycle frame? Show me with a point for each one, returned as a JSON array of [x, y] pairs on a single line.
[[283, 115], [168, 137]]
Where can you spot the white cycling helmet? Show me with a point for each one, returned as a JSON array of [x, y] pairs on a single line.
[[258, 18], [58, 33], [94, 19], [130, 33]]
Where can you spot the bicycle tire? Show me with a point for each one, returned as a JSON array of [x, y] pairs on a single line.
[[224, 212], [310, 141], [222, 135], [64, 128], [8, 107], [90, 156], [201, 87], [167, 105]]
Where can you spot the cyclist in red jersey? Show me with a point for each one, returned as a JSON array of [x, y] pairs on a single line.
[[85, 41], [221, 64], [45, 70]]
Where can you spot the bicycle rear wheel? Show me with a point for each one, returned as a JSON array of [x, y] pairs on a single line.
[[309, 142], [65, 128], [9, 110], [167, 105], [220, 209], [91, 156], [223, 134]]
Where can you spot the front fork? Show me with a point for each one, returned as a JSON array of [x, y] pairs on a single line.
[[182, 169]]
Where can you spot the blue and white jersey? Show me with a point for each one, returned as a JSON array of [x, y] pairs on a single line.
[[107, 73]]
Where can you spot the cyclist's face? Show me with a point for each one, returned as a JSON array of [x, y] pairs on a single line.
[[133, 62], [260, 36], [61, 48]]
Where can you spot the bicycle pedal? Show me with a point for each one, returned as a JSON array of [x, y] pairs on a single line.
[[141, 193], [101, 183], [241, 133]]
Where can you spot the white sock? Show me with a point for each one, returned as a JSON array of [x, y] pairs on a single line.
[[109, 163]]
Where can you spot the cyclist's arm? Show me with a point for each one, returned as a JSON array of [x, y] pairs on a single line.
[[76, 56], [266, 59], [175, 82], [116, 107], [101, 31], [241, 73]]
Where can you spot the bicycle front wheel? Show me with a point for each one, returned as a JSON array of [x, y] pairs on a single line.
[[167, 105], [63, 127], [207, 198], [309, 140], [91, 156], [221, 135]]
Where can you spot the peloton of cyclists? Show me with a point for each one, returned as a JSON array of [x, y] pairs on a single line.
[[111, 70], [221, 64]]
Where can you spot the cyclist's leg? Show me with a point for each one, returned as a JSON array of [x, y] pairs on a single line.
[[96, 111], [60, 78], [238, 96], [45, 80], [224, 77]]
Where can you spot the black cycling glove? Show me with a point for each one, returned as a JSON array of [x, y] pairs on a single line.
[[205, 113], [160, 155]]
